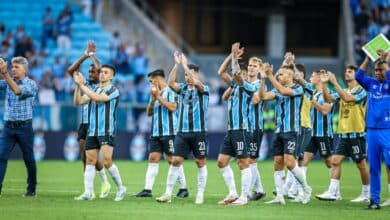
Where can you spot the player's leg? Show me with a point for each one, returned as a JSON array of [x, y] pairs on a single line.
[[254, 150], [181, 150], [357, 151], [199, 146], [277, 150], [92, 151], [374, 156], [155, 154], [226, 151], [106, 151], [241, 142], [81, 137], [333, 191]]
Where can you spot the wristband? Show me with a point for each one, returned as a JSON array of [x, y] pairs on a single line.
[[232, 83]]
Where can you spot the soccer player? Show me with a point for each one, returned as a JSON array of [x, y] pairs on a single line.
[[291, 187], [351, 129], [162, 107], [377, 123], [289, 98], [92, 83], [237, 140], [192, 126], [104, 101], [321, 117], [257, 125]]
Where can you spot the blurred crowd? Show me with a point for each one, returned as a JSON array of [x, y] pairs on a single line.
[[371, 17]]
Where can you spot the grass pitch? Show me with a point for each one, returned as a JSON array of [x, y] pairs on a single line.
[[59, 182]]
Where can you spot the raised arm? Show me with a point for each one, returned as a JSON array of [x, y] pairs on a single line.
[[222, 71], [80, 81], [284, 91], [323, 107], [360, 76], [194, 77], [173, 74], [78, 99], [89, 52], [343, 94], [262, 94], [11, 83], [227, 93], [171, 106]]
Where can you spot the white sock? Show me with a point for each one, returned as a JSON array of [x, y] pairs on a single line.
[[334, 186], [173, 173], [288, 182], [228, 176], [103, 176], [294, 187], [89, 176], [116, 176], [300, 176], [256, 179], [202, 179], [304, 170], [182, 178], [150, 176], [366, 190], [246, 177], [278, 178]]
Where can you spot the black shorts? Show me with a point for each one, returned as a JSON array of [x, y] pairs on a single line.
[[197, 142], [352, 147], [82, 133], [303, 140], [236, 144], [254, 146], [321, 144], [284, 143], [163, 144], [95, 142]]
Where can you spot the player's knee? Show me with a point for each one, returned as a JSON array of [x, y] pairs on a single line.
[[200, 163], [221, 163], [335, 162], [361, 165], [91, 161], [107, 163], [176, 162]]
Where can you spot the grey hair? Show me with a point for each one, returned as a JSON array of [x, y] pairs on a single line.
[[20, 60]]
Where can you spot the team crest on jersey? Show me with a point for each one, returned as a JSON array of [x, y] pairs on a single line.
[[374, 86], [386, 86]]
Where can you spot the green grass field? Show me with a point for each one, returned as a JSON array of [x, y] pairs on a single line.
[[60, 181]]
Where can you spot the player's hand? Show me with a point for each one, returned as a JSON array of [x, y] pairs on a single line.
[[268, 69], [324, 76], [184, 59], [177, 57], [332, 77], [382, 54], [91, 48], [78, 78], [3, 66], [289, 58]]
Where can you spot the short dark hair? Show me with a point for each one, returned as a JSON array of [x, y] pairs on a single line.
[[301, 68], [352, 67], [193, 67], [380, 62], [157, 72], [243, 66], [109, 67]]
